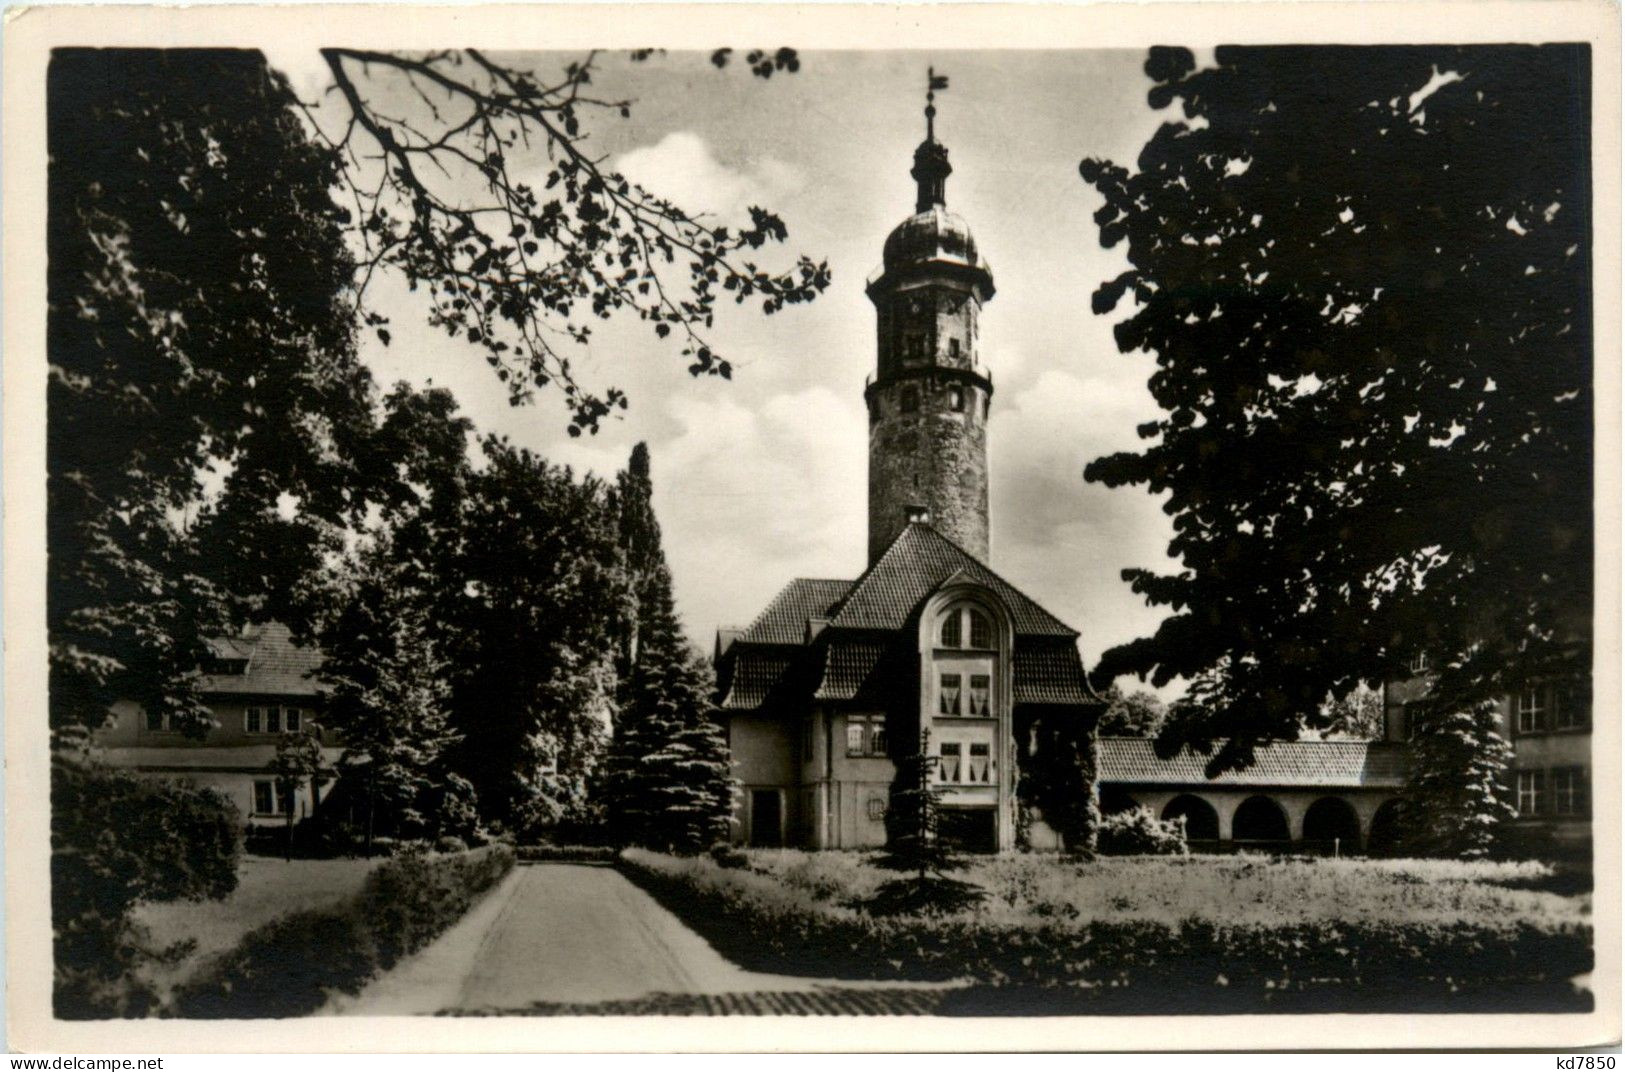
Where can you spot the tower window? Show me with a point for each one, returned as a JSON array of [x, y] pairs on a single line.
[[909, 401], [956, 399], [953, 347]]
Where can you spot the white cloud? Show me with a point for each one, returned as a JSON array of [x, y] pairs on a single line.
[[682, 168]]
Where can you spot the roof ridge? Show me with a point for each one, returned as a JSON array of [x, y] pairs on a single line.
[[997, 575]]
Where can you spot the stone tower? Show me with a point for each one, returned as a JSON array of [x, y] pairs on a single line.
[[928, 399]]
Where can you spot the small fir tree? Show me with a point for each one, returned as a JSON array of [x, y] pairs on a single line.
[[1455, 801], [914, 843]]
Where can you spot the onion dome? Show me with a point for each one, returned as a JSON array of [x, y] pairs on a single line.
[[932, 235]]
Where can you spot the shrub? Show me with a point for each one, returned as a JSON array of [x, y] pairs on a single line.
[[586, 854], [117, 839], [725, 855], [931, 895], [292, 965], [1137, 832], [449, 843]]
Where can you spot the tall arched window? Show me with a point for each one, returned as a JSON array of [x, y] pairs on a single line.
[[981, 630]]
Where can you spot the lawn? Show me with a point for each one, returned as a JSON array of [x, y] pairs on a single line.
[[1029, 889], [1132, 934], [266, 888]]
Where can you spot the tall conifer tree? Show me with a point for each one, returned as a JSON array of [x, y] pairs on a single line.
[[669, 782]]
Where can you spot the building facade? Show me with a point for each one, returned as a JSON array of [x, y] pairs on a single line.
[[837, 680], [258, 686]]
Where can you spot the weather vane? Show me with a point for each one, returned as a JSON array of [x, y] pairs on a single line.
[[933, 82]]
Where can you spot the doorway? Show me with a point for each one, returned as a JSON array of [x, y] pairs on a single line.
[[766, 818]]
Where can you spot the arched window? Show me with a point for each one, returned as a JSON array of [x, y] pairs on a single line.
[[981, 630], [966, 627]]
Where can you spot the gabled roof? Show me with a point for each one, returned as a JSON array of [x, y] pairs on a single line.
[[849, 665], [273, 664], [752, 674], [916, 564], [1050, 672], [784, 621], [1131, 761]]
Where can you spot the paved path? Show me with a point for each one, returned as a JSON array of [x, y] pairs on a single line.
[[561, 934]]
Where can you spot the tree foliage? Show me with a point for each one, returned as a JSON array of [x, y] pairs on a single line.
[[201, 368], [1131, 714], [1364, 273], [669, 781], [472, 177]]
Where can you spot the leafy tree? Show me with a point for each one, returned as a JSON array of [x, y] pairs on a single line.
[[1357, 715], [1456, 797], [1131, 714], [201, 368], [298, 762], [1364, 274], [441, 149], [530, 615]]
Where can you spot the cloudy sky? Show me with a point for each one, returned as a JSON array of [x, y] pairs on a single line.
[[764, 478]]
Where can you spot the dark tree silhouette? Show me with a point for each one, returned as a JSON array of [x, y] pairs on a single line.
[[439, 148], [198, 322], [1364, 273]]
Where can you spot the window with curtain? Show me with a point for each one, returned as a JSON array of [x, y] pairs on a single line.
[[980, 768], [948, 763]]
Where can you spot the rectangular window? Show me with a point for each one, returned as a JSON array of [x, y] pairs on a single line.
[[909, 400], [866, 736], [953, 351], [1532, 710], [1571, 707], [1531, 792], [252, 721], [1569, 791], [948, 695], [979, 687], [157, 721], [273, 720], [265, 798], [948, 765], [956, 399], [291, 718], [981, 764]]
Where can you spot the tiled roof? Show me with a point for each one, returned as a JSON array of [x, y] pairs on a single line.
[[849, 665], [1049, 673], [753, 674], [914, 566], [785, 619], [275, 666], [1284, 764]]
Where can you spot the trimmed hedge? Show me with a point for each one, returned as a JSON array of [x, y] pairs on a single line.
[[292, 965], [755, 921]]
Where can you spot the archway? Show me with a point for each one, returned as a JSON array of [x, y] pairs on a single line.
[[1201, 821], [1331, 825], [1114, 799], [1260, 819], [1385, 830]]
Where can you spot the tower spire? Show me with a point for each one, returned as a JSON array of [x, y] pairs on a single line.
[[931, 168]]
